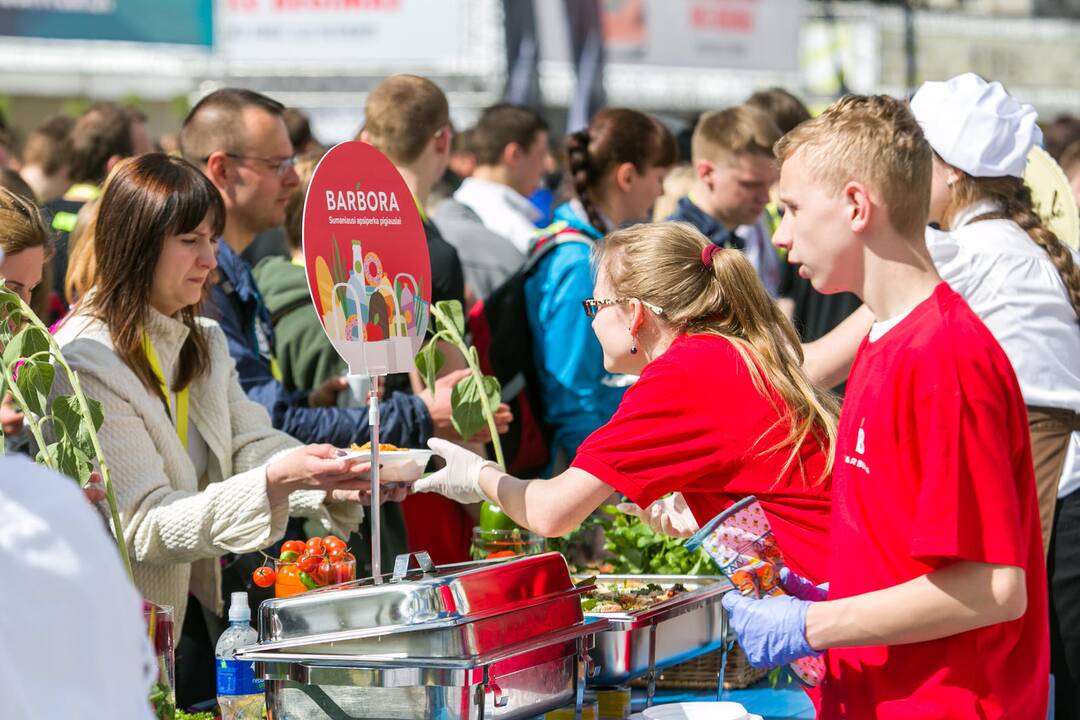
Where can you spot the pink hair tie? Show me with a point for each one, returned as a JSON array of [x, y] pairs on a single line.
[[707, 253]]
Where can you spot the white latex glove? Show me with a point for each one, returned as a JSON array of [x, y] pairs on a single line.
[[460, 479], [668, 515]]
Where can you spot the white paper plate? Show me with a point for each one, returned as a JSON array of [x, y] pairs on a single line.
[[697, 711], [391, 457]]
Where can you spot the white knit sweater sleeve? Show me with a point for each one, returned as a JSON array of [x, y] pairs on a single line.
[[163, 524], [254, 441]]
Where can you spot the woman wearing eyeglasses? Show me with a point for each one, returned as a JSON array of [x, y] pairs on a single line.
[[722, 408]]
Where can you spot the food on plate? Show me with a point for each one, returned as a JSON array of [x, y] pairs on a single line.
[[631, 596], [383, 447]]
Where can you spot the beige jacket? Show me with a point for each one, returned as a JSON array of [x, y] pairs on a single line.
[[176, 528]]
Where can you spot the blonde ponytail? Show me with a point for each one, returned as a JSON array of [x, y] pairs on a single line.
[[664, 264]]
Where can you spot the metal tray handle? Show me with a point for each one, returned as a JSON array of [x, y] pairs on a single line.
[[403, 561]]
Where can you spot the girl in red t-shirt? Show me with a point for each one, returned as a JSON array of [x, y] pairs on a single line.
[[722, 409]]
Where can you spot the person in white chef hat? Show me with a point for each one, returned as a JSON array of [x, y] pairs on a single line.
[[1024, 284]]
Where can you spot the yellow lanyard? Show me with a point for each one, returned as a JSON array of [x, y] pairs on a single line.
[[180, 416]]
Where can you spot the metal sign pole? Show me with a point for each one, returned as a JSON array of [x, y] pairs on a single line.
[[376, 520]]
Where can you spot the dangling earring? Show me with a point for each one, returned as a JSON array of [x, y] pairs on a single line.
[[633, 345]]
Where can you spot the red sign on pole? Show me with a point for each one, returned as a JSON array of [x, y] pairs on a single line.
[[367, 260]]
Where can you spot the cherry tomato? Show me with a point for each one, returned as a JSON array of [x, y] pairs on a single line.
[[336, 554], [333, 542], [338, 572], [308, 563], [324, 573], [315, 546], [296, 546], [264, 576]]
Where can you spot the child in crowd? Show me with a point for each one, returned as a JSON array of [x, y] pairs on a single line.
[[733, 159], [937, 600]]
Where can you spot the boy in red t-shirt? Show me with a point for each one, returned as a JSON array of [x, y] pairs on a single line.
[[937, 606]]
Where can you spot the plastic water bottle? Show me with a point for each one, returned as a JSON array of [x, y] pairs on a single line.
[[239, 693]]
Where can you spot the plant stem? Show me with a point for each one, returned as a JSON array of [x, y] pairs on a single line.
[[478, 377], [28, 417], [88, 418]]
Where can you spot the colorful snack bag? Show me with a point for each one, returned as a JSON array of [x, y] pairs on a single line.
[[741, 542]]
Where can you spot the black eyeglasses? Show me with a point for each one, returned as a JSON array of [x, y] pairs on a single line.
[[593, 305], [278, 165]]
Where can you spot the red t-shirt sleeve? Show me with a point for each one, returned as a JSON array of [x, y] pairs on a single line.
[[963, 437], [660, 440]]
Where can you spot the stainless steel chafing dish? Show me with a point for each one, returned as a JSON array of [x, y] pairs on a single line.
[[641, 643], [504, 639]]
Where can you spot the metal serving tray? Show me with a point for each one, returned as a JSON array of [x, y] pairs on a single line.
[[639, 644], [451, 612], [514, 682]]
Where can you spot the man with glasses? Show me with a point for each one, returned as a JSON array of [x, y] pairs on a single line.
[[239, 140]]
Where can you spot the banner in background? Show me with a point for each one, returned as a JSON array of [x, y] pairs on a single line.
[[735, 34], [184, 22], [394, 34]]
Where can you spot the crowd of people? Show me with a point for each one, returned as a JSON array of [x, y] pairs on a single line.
[[859, 318]]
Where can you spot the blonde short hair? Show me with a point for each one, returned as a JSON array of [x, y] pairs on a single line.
[[720, 136], [873, 139], [403, 113]]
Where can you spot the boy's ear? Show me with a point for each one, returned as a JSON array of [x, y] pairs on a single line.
[[511, 154], [625, 174], [442, 141], [859, 206], [705, 170]]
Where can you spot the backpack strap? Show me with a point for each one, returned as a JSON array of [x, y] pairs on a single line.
[[554, 235], [288, 308]]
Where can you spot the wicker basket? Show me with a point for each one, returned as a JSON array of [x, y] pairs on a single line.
[[700, 673]]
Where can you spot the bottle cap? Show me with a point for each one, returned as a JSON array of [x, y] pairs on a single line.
[[238, 608]]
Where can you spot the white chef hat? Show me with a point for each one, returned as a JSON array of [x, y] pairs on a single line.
[[976, 126]]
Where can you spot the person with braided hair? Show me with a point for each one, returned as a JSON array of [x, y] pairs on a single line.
[[617, 166], [1024, 283]]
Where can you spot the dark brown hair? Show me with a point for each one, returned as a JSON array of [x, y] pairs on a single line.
[[786, 110], [299, 127], [294, 207], [402, 115], [1059, 134], [615, 136], [501, 125], [145, 200], [216, 122], [45, 146], [1013, 196], [100, 133]]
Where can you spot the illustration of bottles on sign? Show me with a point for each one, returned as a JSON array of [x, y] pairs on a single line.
[[367, 261], [363, 304]]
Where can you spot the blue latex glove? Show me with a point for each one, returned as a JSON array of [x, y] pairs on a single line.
[[802, 588], [771, 630]]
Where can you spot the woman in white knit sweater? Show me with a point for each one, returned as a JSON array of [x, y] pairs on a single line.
[[197, 467]]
